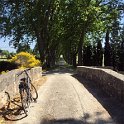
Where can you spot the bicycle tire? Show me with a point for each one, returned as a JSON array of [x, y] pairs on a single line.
[[34, 93], [24, 100]]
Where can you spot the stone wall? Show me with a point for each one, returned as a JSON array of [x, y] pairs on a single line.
[[9, 82], [110, 81]]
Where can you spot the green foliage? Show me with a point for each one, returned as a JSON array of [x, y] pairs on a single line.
[[85, 21], [25, 59], [115, 44], [121, 52], [58, 26], [25, 47], [5, 53]]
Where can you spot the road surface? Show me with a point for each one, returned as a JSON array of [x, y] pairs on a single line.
[[64, 100]]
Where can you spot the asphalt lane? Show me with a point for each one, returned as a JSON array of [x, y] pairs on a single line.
[[64, 100]]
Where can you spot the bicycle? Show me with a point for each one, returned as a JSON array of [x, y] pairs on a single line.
[[26, 90]]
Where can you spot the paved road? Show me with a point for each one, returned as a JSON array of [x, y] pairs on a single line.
[[64, 100]]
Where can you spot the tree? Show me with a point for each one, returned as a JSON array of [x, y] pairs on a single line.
[[115, 43], [54, 23], [94, 56], [107, 51], [23, 47], [69, 16], [121, 57], [99, 53], [84, 17], [121, 52], [30, 20], [87, 55], [5, 53]]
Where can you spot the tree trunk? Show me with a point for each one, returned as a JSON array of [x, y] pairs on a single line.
[[42, 34], [41, 47], [74, 60], [52, 59], [80, 54], [80, 48], [107, 51]]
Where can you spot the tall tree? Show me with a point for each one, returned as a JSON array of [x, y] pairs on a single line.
[[56, 24], [121, 52], [121, 57], [107, 51], [70, 36], [99, 53], [115, 43], [29, 19], [94, 56], [87, 55], [94, 16]]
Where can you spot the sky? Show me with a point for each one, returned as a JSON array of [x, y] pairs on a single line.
[[4, 45]]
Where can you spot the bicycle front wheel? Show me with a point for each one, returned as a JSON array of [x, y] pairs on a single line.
[[34, 92]]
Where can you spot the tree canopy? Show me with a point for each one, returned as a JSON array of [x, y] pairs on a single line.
[[62, 27]]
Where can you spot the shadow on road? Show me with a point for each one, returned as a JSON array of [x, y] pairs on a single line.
[[61, 121], [114, 107], [82, 120], [14, 113]]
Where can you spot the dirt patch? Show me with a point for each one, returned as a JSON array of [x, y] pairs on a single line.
[[9, 114]]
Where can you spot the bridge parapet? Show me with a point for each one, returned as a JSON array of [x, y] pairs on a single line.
[[108, 80], [9, 82]]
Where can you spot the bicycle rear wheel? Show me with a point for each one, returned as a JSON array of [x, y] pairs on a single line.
[[24, 100]]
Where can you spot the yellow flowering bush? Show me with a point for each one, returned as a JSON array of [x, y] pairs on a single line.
[[25, 60]]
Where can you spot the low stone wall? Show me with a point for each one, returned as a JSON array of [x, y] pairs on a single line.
[[110, 81], [9, 82]]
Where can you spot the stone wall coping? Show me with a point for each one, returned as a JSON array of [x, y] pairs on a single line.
[[109, 71]]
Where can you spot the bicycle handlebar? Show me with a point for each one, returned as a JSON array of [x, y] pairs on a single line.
[[23, 71]]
